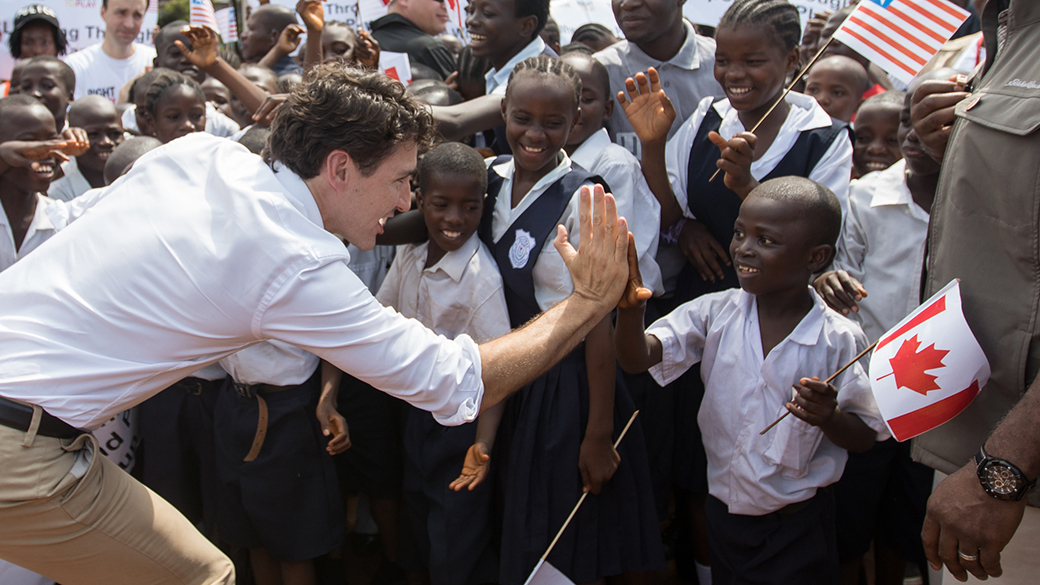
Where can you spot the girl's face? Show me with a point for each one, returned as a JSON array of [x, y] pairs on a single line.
[[181, 110], [539, 113], [752, 65]]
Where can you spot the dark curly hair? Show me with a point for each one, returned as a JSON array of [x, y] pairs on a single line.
[[363, 113], [14, 42]]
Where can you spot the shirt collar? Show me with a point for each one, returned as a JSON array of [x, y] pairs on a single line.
[[805, 114], [505, 170], [688, 57], [890, 186], [808, 330], [299, 194], [454, 263], [497, 77], [585, 155]]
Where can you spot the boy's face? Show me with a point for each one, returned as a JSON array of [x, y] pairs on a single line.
[[258, 37], [44, 82], [29, 123], [495, 31], [877, 138], [772, 247], [910, 145], [596, 105], [451, 205], [38, 39], [168, 56], [105, 131], [218, 95], [178, 112], [835, 90], [539, 114]]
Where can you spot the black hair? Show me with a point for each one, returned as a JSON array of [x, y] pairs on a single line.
[[14, 41], [164, 82], [421, 71], [890, 97], [780, 15], [68, 76], [590, 32], [85, 103], [255, 139], [545, 66], [598, 69], [862, 79], [139, 88], [452, 158], [815, 203], [576, 48], [435, 93], [18, 100], [125, 154], [168, 34], [551, 30], [276, 16], [538, 8]]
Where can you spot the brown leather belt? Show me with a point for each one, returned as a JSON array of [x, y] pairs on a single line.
[[258, 391]]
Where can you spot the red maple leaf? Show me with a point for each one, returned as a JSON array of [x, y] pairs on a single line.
[[910, 366]]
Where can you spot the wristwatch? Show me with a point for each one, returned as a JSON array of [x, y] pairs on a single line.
[[1001, 479]]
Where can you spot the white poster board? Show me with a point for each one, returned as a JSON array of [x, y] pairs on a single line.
[[80, 19], [571, 14], [709, 12]]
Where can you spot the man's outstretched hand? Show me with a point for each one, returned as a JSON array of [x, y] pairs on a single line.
[[599, 267]]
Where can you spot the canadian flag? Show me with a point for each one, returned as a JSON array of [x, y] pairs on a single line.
[[928, 368], [546, 574], [396, 65]]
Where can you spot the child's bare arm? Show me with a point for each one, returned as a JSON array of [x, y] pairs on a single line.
[[476, 115], [203, 54], [404, 228], [635, 349], [840, 290], [332, 422], [19, 153], [817, 404], [597, 458], [287, 42], [477, 463], [313, 15]]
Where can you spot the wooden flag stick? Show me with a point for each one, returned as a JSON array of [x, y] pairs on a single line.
[[584, 495], [783, 96], [827, 381]]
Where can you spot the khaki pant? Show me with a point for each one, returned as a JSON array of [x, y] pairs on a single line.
[[102, 528]]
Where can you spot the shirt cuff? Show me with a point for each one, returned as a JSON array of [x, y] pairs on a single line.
[[467, 400], [671, 366]]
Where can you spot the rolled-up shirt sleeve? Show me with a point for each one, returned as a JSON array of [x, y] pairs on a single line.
[[322, 307]]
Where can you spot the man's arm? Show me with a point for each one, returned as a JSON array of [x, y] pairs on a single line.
[[963, 517]]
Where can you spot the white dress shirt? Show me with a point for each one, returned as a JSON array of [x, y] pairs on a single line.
[[636, 203], [687, 78], [461, 293], [496, 80], [40, 230], [882, 246], [70, 186], [271, 362], [552, 280], [834, 169], [744, 392], [199, 251]]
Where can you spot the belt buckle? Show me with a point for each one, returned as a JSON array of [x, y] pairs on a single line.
[[193, 388], [245, 390]]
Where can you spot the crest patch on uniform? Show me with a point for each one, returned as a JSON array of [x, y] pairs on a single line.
[[520, 251]]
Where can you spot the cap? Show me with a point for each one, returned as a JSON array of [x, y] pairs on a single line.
[[34, 12]]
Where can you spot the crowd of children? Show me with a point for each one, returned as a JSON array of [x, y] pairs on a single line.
[[767, 278]]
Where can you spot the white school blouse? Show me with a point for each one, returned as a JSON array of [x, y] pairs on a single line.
[[70, 186], [882, 246], [199, 251], [40, 230], [461, 294], [271, 362], [745, 391], [834, 170], [636, 203]]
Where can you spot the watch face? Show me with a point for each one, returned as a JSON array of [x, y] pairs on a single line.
[[1000, 480]]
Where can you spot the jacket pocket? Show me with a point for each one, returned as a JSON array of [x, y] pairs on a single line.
[[1016, 115]]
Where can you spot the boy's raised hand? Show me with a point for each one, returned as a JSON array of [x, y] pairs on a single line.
[[840, 291], [204, 45], [815, 402], [289, 39], [635, 293], [736, 156], [474, 469], [367, 50], [312, 13], [649, 110]]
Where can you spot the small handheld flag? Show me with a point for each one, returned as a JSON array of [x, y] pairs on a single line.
[[227, 22], [202, 14], [396, 65], [900, 36], [928, 368]]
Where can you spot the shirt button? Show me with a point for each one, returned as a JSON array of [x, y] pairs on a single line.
[[667, 84]]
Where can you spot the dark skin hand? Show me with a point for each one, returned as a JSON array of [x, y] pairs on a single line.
[[735, 158], [367, 51], [703, 251], [932, 113], [840, 291], [18, 153], [817, 404]]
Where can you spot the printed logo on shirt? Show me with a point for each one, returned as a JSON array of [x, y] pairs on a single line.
[[630, 142], [1022, 84], [105, 92], [520, 251]]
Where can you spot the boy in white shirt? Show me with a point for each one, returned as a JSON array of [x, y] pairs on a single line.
[[769, 518], [452, 285]]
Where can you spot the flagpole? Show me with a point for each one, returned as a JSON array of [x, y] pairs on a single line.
[[827, 381], [787, 90], [583, 496]]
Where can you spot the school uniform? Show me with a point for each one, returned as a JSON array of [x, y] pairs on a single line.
[[283, 497], [544, 423], [448, 532], [882, 245], [40, 230], [70, 186], [758, 484], [809, 144]]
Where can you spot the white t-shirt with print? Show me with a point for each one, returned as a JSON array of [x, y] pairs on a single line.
[[97, 73]]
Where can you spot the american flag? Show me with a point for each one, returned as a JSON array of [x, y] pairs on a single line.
[[202, 14], [228, 24], [900, 36]]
